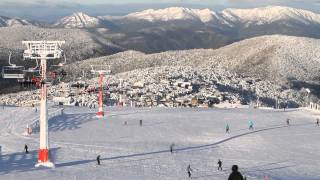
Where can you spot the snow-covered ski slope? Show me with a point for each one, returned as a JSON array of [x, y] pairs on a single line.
[[131, 152]]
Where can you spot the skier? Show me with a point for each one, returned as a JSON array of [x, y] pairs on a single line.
[[317, 122], [220, 165], [125, 123], [171, 148], [250, 125], [26, 148], [235, 175], [140, 122], [189, 170], [227, 128], [288, 122], [36, 110], [98, 160]]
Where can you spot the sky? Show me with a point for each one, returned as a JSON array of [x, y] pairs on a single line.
[[51, 10]]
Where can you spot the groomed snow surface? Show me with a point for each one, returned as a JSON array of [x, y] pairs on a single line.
[[131, 152]]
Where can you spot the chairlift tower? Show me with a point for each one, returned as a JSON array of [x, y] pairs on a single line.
[[44, 50], [101, 70], [120, 103]]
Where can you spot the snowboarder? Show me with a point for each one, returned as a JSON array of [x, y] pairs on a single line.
[[251, 125], [288, 122], [189, 170], [227, 128], [98, 160], [140, 122], [220, 165], [26, 148], [317, 122], [171, 148], [235, 175]]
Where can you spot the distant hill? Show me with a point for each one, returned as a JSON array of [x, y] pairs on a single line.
[[280, 59]]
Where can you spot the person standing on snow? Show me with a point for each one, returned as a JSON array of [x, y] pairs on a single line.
[[251, 125], [317, 122], [189, 170], [288, 122], [220, 165], [98, 160], [235, 175], [227, 128], [171, 148], [26, 148]]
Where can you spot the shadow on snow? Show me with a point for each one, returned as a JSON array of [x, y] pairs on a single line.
[[21, 162]]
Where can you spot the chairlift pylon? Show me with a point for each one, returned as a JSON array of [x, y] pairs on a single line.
[[13, 71]]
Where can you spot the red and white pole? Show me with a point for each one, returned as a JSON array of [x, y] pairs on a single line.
[[100, 113], [43, 155]]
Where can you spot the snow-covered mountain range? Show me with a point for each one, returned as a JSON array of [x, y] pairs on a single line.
[[174, 13], [263, 15], [11, 22], [230, 17], [178, 28]]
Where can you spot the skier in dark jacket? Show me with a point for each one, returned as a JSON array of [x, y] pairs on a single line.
[[318, 122], [189, 170], [235, 175], [26, 149], [220, 165], [171, 148], [140, 122], [98, 160], [288, 122]]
